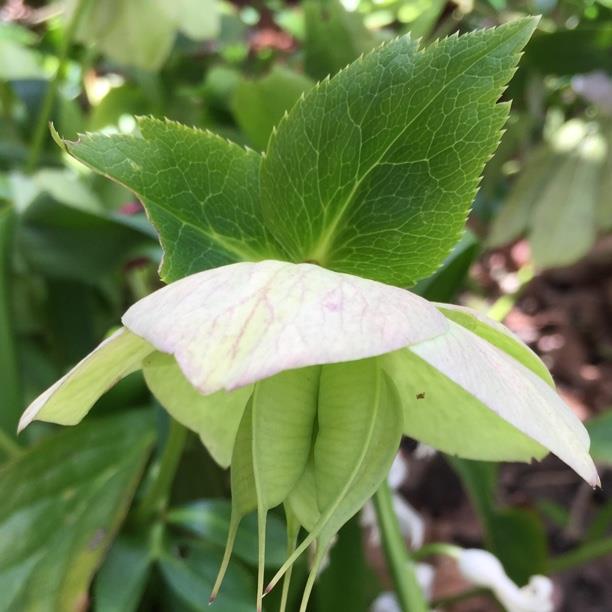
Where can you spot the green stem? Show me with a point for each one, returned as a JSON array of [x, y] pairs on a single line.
[[436, 548], [8, 446], [155, 500], [581, 555], [10, 379], [503, 305], [400, 564], [40, 130]]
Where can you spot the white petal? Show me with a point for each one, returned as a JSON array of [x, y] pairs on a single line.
[[71, 397], [513, 392], [237, 324], [484, 569]]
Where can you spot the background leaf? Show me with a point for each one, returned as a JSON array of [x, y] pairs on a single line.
[[62, 513]]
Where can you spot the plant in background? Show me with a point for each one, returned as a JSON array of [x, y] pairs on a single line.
[[562, 198], [285, 338]]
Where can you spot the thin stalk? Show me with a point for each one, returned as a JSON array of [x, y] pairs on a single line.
[[40, 130], [8, 446], [503, 305], [436, 548], [10, 379], [156, 498], [581, 555], [401, 566]]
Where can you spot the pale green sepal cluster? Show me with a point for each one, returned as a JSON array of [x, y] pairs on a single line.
[[325, 371]]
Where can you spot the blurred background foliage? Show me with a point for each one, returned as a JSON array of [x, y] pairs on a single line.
[[87, 518]]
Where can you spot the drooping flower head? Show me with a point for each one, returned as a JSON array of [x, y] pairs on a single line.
[[303, 376]]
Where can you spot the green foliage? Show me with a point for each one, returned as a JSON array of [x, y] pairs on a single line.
[[333, 37], [561, 199], [201, 192], [600, 430], [210, 520], [334, 186], [141, 33], [62, 514], [259, 105], [374, 171]]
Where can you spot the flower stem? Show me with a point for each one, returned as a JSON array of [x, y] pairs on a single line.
[[10, 378], [400, 564], [581, 555], [156, 497], [436, 548], [42, 121]]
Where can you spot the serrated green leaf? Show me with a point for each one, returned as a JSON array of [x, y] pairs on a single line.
[[373, 172], [68, 496], [259, 105], [444, 284], [201, 192]]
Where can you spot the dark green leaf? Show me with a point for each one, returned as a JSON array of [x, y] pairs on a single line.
[[259, 105], [515, 536], [191, 578], [600, 430], [201, 192], [373, 172], [571, 51], [68, 496], [443, 285], [334, 37], [10, 377], [121, 581], [210, 520], [63, 242]]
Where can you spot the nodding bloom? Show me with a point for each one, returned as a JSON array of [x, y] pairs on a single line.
[[304, 379]]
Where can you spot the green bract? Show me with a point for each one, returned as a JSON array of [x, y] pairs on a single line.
[[303, 378]]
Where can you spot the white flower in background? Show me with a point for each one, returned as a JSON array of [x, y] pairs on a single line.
[[484, 569], [387, 601]]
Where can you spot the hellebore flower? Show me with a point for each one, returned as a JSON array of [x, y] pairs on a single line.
[[304, 380], [484, 569]]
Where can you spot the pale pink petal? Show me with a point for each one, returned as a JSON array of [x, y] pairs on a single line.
[[237, 324]]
